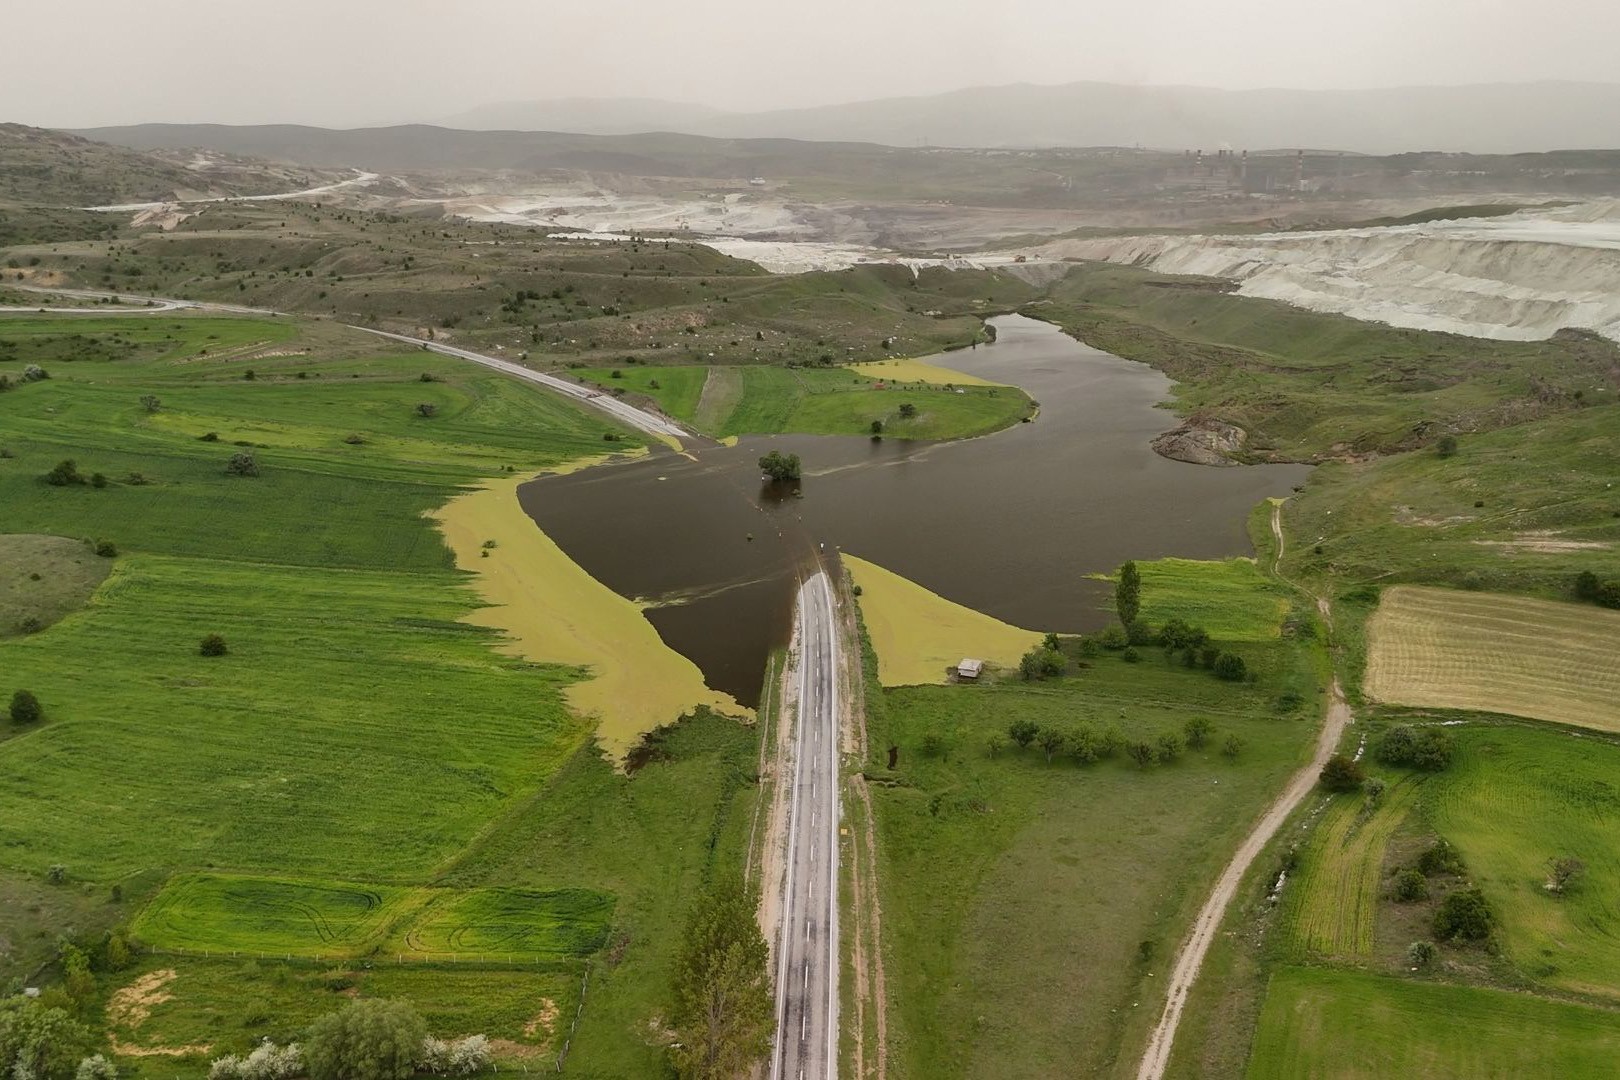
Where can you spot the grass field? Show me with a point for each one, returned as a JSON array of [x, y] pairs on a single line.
[[765, 400], [1516, 797], [523, 923], [1442, 648], [1333, 897], [268, 915], [1232, 599], [1522, 509], [1324, 1023], [1017, 894]]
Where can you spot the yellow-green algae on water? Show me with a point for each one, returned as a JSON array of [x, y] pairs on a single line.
[[554, 612], [918, 634], [908, 370]]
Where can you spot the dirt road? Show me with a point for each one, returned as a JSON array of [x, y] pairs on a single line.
[[806, 1043], [1191, 959]]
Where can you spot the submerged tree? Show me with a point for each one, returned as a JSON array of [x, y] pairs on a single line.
[[779, 467]]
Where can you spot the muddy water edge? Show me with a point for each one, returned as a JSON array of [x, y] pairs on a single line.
[[1009, 524]]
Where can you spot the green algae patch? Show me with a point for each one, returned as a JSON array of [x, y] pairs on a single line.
[[553, 612], [918, 634]]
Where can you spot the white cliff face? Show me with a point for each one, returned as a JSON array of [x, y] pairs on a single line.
[[1523, 276]]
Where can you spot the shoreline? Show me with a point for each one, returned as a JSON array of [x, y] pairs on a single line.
[[552, 612]]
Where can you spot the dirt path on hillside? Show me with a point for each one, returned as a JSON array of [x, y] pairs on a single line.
[[1191, 959]]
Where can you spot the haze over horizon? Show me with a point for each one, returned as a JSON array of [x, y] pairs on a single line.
[[364, 62]]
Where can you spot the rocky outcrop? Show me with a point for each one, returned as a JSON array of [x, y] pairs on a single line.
[[1202, 442]]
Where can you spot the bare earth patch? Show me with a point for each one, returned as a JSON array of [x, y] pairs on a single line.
[[1546, 542], [130, 1006], [542, 1022]]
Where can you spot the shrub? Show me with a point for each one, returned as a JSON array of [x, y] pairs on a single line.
[[1130, 655], [1409, 886], [1587, 585], [1440, 858], [1230, 666], [426, 409], [267, 1062], [98, 480], [1446, 446], [25, 708], [367, 1040], [1023, 732], [1342, 774], [213, 645], [1429, 748], [1168, 747], [208, 436], [1140, 752], [151, 403], [1198, 731], [106, 549], [1464, 916], [242, 463], [1113, 637], [933, 744], [455, 1057], [34, 373], [1042, 663], [1232, 746], [1562, 873], [64, 473], [96, 1067], [779, 467], [57, 874], [1421, 953]]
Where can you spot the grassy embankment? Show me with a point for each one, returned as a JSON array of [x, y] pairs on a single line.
[[762, 400], [360, 729], [1030, 908]]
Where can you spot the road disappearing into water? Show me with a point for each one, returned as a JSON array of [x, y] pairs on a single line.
[[806, 1045]]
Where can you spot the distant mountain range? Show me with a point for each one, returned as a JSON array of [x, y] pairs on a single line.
[[1484, 118]]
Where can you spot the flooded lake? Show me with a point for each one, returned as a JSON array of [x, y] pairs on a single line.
[[1008, 524]]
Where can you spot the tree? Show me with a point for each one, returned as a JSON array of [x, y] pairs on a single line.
[[1023, 732], [877, 427], [1128, 594], [1446, 446], [1042, 663], [1428, 748], [242, 463], [213, 645], [1232, 746], [722, 1011], [1198, 730], [38, 1042], [1563, 872], [64, 473], [96, 1067], [1230, 666], [1342, 774], [908, 411], [1139, 752], [369, 1039], [1395, 748], [25, 708], [1410, 886], [780, 468], [1587, 585], [1051, 742], [1464, 916]]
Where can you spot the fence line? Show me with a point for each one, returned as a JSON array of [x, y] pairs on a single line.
[[568, 1040]]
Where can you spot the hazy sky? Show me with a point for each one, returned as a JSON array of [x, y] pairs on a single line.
[[349, 62]]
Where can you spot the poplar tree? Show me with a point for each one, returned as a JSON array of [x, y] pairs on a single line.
[[723, 1006], [1128, 594]]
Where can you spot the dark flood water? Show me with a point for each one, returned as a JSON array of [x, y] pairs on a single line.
[[1008, 524]]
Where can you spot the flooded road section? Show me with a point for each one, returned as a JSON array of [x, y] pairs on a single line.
[[1008, 524]]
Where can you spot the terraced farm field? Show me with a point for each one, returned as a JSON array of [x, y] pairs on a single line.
[[525, 923], [268, 915], [1516, 797], [1326, 1024], [1443, 648], [1335, 896]]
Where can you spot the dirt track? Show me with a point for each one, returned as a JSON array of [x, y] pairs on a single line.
[[1191, 958]]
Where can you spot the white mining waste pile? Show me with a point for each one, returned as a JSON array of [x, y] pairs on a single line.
[[1522, 276]]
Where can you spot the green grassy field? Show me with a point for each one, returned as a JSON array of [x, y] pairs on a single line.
[[1017, 894], [356, 731], [1319, 1022], [1232, 599], [1333, 899], [1515, 798], [762, 400]]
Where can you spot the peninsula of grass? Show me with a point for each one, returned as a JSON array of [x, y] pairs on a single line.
[[766, 400], [1031, 907]]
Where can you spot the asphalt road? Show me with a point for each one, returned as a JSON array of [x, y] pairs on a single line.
[[806, 1045]]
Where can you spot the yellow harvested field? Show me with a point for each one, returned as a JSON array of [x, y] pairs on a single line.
[[554, 612], [918, 371], [1540, 659], [918, 634]]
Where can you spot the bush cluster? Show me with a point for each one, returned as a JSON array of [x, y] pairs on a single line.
[[1087, 745], [266, 1062], [1426, 748], [1594, 590]]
